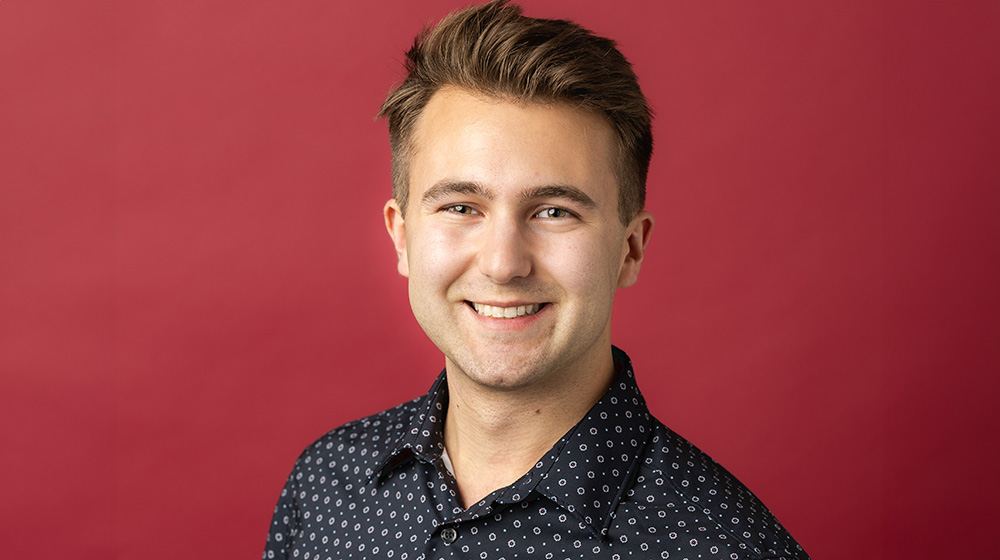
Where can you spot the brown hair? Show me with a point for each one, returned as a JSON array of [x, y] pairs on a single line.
[[495, 50]]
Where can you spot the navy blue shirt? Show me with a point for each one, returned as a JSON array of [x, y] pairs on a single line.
[[618, 485]]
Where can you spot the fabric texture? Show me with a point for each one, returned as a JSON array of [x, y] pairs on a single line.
[[620, 484]]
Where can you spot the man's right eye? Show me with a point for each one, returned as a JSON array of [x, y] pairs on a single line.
[[459, 209]]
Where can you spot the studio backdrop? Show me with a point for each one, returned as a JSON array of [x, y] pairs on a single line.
[[196, 282]]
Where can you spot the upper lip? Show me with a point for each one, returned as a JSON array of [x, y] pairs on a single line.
[[508, 304]]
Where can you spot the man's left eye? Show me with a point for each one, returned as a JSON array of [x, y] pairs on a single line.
[[553, 213]]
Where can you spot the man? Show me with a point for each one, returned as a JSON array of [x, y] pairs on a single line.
[[520, 149]]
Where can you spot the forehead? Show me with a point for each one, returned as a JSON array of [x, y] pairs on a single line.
[[466, 136]]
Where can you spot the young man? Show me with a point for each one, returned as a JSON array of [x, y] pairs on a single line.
[[520, 148]]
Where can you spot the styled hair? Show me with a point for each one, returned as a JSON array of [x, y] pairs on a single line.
[[494, 50]]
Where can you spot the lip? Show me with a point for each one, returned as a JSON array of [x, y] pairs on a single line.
[[508, 323], [506, 303]]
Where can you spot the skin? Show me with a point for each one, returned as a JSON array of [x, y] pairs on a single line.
[[514, 204]]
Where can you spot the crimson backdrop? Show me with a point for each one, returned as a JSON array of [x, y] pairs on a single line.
[[196, 282]]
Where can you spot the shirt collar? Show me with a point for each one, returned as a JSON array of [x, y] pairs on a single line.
[[604, 449], [424, 435]]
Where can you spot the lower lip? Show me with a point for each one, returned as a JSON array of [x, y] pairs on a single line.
[[511, 324]]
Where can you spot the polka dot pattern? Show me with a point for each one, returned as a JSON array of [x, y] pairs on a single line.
[[618, 485]]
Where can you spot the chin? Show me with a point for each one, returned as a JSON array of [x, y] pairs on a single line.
[[503, 372]]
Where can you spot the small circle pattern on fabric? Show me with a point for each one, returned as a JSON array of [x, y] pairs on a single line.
[[620, 485]]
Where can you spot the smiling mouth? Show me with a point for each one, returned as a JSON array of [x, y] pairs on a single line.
[[505, 312]]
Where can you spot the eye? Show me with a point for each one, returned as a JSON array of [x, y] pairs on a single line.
[[460, 209], [553, 212]]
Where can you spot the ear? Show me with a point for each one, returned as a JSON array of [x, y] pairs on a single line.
[[396, 227], [634, 248]]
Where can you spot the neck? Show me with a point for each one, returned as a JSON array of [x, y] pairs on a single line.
[[494, 436]]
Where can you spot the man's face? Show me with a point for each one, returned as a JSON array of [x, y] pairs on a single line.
[[511, 241]]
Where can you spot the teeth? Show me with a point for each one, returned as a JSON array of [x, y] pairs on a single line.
[[506, 312]]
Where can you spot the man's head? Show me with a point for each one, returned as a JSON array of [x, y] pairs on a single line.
[[497, 52], [515, 239]]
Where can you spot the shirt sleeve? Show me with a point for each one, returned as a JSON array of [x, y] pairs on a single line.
[[285, 522]]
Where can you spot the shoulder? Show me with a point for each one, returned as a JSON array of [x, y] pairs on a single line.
[[694, 498], [332, 470], [349, 452]]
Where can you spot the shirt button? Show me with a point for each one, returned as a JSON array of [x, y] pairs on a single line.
[[448, 535]]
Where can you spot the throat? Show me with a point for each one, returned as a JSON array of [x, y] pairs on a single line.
[[485, 456]]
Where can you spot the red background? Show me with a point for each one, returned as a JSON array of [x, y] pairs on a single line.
[[195, 282]]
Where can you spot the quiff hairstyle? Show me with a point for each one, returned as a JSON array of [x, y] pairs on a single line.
[[494, 50]]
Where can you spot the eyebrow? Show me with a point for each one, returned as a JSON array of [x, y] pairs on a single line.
[[567, 192], [443, 189]]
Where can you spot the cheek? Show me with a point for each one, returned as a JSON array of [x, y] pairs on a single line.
[[585, 266], [436, 256]]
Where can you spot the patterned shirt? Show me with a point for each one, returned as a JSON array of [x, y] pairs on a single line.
[[618, 485]]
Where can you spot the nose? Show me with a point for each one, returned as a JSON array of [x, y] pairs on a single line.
[[505, 253]]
